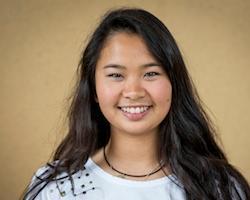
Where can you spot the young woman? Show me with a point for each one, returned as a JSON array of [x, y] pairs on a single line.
[[137, 129]]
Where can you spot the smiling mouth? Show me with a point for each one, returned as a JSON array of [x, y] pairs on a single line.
[[135, 113], [134, 109]]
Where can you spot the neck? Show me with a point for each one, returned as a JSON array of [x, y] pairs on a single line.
[[134, 154]]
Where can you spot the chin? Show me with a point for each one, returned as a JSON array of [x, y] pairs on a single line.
[[134, 131]]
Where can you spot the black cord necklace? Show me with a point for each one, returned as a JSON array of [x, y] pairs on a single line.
[[123, 175]]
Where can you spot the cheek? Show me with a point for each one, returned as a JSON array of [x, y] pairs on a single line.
[[162, 92], [106, 95]]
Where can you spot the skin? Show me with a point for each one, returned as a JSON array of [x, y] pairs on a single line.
[[128, 75]]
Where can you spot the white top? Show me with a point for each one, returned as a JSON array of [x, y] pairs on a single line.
[[93, 183]]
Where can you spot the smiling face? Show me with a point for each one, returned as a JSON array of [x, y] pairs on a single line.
[[133, 90]]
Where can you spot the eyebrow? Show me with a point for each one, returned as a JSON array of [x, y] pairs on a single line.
[[117, 66]]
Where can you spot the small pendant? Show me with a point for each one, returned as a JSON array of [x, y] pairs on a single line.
[[63, 193]]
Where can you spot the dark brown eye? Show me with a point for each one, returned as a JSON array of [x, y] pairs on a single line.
[[115, 76], [151, 74]]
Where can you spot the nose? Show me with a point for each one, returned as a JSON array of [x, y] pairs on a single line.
[[133, 89]]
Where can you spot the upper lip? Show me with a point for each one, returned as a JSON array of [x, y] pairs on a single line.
[[133, 106]]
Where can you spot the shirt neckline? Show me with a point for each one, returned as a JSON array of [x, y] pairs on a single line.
[[117, 180]]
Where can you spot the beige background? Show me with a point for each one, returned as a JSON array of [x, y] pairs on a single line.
[[40, 45]]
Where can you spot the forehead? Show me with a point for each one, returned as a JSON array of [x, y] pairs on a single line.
[[125, 49]]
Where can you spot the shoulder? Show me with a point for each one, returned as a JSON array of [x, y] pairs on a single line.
[[38, 181], [43, 172], [63, 185]]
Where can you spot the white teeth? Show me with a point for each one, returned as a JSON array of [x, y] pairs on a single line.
[[132, 110], [135, 109]]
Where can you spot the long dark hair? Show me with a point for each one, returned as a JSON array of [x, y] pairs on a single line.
[[187, 136]]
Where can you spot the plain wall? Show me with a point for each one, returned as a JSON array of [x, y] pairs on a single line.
[[40, 46]]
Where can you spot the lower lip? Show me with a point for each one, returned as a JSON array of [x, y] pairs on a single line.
[[135, 116]]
